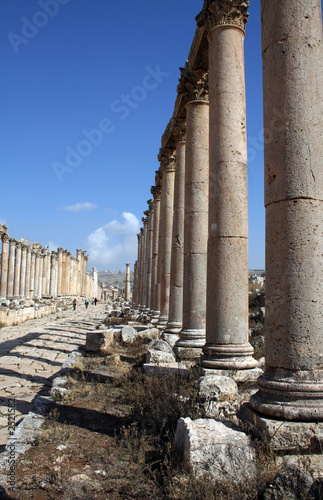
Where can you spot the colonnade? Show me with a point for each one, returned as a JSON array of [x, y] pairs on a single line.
[[191, 274], [30, 271]]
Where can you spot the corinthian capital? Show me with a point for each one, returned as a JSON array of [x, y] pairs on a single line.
[[179, 129], [167, 158], [224, 12], [194, 84]]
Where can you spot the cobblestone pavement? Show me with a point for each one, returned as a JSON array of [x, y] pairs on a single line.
[[32, 353]]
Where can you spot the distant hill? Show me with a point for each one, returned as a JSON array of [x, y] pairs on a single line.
[[117, 278]]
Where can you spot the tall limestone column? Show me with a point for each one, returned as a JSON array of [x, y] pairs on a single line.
[[16, 282], [167, 158], [28, 270], [194, 85], [48, 266], [32, 273], [292, 384], [227, 345], [60, 271], [155, 280], [41, 272], [150, 236], [53, 266], [144, 263], [134, 290], [11, 267], [37, 265], [175, 321], [127, 288], [4, 265], [22, 288]]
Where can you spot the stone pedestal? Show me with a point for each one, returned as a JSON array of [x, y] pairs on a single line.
[[227, 343], [4, 265], [292, 385], [167, 159], [192, 335], [175, 321]]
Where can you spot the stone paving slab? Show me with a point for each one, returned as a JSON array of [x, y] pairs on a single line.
[[33, 352]]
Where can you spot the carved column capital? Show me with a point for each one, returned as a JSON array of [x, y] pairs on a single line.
[[167, 158], [179, 129], [13, 242], [224, 12], [5, 238], [150, 205], [156, 192], [194, 84]]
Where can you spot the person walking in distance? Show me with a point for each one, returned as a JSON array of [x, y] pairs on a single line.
[[74, 304]]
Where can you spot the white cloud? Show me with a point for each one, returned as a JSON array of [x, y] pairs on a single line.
[[114, 244], [129, 226], [77, 207]]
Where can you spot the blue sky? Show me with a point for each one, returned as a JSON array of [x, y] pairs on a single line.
[[66, 77]]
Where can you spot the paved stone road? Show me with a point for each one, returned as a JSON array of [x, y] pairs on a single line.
[[33, 352]]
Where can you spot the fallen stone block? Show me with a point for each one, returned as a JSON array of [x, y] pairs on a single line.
[[153, 356], [161, 345], [217, 449], [150, 334], [170, 338], [128, 334], [99, 340]]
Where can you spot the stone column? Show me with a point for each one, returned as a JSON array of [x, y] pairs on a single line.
[[175, 321], [11, 267], [60, 271], [45, 271], [41, 272], [144, 264], [53, 266], [32, 273], [16, 282], [48, 267], [292, 385], [167, 158], [227, 345], [85, 273], [194, 85], [127, 289], [4, 265], [36, 280], [28, 270], [150, 229], [22, 289], [155, 289]]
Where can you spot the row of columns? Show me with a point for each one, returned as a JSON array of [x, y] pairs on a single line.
[[191, 275], [30, 271]]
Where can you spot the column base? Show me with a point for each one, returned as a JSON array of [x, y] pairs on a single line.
[[187, 353], [173, 327], [155, 317], [290, 394], [239, 376], [284, 437], [190, 337], [228, 356], [162, 322]]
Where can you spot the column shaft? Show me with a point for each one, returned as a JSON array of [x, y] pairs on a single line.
[[292, 384]]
